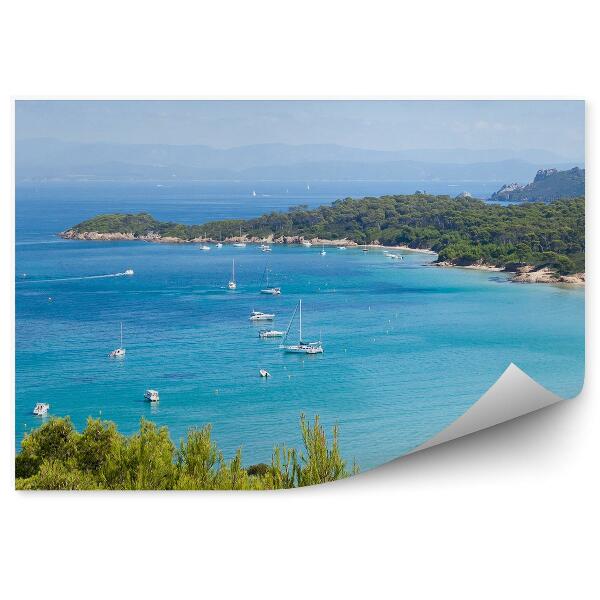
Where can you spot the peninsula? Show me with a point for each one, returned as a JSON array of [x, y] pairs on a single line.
[[539, 242]]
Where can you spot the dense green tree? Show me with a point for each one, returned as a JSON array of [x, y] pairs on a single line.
[[461, 230], [56, 457]]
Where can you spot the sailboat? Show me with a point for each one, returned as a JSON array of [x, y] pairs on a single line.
[[240, 244], [301, 347], [323, 253], [232, 285], [273, 291], [253, 194], [120, 351], [220, 242]]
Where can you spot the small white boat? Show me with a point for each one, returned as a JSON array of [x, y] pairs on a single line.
[[151, 395], [270, 333], [365, 249], [205, 248], [253, 194], [219, 245], [272, 291], [41, 408], [386, 251], [120, 351], [232, 285], [129, 272], [396, 256], [265, 248], [257, 315], [306, 244], [301, 347], [341, 247], [240, 244], [323, 253], [264, 373]]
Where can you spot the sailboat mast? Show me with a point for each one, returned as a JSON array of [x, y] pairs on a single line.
[[121, 345], [233, 271], [300, 321]]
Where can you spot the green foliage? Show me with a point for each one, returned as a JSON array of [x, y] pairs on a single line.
[[56, 457], [460, 230]]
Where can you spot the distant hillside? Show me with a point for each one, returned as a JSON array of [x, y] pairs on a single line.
[[548, 185], [42, 159]]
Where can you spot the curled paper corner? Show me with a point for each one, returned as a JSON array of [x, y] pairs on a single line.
[[514, 394]]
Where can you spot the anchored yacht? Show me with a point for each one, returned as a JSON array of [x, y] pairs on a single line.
[[41, 408], [270, 333], [120, 351], [273, 291], [232, 285], [301, 347], [151, 395], [257, 315]]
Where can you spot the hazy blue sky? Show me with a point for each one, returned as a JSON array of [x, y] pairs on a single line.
[[557, 126]]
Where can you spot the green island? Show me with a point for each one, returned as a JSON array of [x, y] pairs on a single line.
[[463, 231], [57, 457]]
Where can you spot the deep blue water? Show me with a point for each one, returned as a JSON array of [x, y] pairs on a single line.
[[408, 347]]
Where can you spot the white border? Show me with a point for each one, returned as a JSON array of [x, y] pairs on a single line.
[[510, 512]]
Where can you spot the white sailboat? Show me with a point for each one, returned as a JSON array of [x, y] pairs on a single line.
[[273, 291], [120, 351], [301, 347], [232, 285], [323, 253], [253, 194], [220, 242], [240, 244]]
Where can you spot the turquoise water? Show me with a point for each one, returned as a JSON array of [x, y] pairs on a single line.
[[408, 347]]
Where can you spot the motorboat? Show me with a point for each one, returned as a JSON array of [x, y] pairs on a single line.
[[264, 334], [257, 315], [129, 272], [41, 408], [151, 395]]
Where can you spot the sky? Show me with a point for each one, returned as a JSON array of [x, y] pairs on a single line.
[[556, 126]]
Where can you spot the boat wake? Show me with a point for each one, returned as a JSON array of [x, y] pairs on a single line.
[[126, 273]]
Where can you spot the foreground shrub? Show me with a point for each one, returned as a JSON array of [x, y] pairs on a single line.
[[56, 457]]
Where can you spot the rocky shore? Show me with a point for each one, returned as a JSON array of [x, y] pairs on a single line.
[[71, 234], [524, 273]]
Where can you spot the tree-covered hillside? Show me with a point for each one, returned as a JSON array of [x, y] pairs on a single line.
[[461, 230]]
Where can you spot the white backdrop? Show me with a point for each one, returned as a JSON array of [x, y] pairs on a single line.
[[506, 513]]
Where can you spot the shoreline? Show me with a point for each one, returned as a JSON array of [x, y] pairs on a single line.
[[523, 274], [95, 236]]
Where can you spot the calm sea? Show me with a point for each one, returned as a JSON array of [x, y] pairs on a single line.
[[408, 347]]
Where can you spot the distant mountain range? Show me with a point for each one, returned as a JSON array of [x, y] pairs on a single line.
[[548, 185], [40, 159]]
